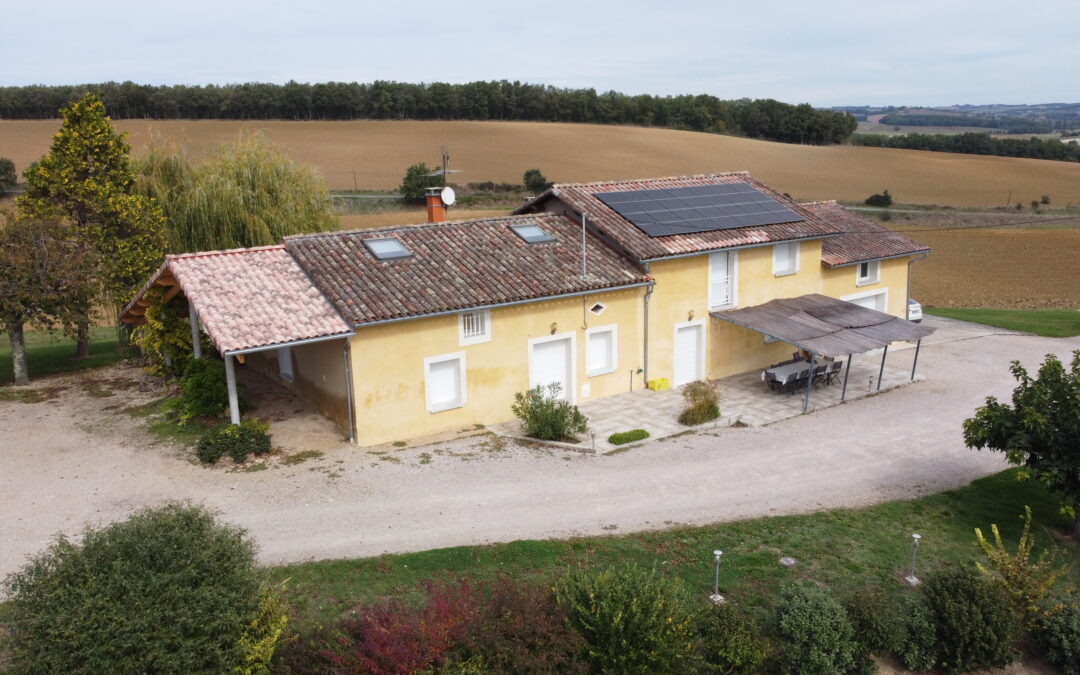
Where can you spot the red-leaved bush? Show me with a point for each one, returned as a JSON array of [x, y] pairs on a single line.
[[390, 637]]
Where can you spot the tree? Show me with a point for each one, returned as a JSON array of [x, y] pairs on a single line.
[[45, 274], [87, 178], [1040, 431], [169, 590], [535, 181], [883, 199], [416, 182], [8, 177], [247, 193]]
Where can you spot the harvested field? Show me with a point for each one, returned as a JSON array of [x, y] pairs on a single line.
[[374, 154], [1007, 268]]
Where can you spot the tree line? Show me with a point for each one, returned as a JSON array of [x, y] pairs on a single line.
[[976, 144], [492, 100], [1012, 125]]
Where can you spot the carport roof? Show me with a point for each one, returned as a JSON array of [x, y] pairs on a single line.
[[824, 325]]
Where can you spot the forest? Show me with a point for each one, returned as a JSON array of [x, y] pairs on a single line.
[[493, 100], [976, 144]]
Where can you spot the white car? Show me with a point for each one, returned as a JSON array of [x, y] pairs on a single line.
[[914, 311]]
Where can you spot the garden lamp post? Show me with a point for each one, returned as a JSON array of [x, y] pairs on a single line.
[[716, 597], [911, 579]]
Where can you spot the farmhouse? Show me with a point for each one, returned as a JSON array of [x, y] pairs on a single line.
[[599, 287]]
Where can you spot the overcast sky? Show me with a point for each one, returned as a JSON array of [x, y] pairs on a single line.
[[915, 52]]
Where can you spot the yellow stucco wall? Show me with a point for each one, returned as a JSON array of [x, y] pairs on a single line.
[[840, 282], [682, 289], [388, 363]]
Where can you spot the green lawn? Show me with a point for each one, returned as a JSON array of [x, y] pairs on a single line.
[[1045, 322], [50, 352], [843, 549]]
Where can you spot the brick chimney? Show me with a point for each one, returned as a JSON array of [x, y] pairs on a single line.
[[436, 210]]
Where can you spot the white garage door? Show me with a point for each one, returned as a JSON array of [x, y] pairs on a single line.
[[688, 343], [875, 301], [551, 363]]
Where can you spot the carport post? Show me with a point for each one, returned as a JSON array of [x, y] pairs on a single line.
[[847, 371], [809, 383], [916, 361], [196, 343], [881, 371], [230, 383]]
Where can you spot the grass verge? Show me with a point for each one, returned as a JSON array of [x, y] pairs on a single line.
[[843, 549], [50, 352], [1045, 322]]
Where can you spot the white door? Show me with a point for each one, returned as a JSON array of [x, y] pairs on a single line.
[[688, 344], [551, 363], [719, 279], [876, 301]]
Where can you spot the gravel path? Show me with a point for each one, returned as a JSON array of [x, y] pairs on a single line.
[[78, 459]]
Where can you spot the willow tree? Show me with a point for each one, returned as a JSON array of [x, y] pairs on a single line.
[[87, 178], [246, 193]]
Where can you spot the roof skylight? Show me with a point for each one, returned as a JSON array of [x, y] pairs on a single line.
[[387, 249], [533, 234]]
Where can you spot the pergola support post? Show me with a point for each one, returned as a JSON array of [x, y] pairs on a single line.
[[847, 371], [230, 383], [915, 362], [881, 371], [196, 343], [809, 383]]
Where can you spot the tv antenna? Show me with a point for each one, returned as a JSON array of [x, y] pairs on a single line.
[[445, 166]]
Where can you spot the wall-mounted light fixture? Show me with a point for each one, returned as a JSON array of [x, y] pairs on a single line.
[[554, 327]]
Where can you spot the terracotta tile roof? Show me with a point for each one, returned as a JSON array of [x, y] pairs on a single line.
[[580, 197], [252, 297], [456, 265], [863, 239]]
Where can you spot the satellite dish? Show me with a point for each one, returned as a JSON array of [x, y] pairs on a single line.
[[447, 195]]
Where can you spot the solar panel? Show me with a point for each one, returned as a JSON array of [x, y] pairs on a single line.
[[697, 208]]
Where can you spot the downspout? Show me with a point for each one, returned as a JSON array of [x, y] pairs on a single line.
[[910, 262], [349, 388], [645, 356]]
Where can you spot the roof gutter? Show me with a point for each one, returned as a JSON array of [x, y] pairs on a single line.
[[924, 256], [513, 303], [294, 343], [925, 252]]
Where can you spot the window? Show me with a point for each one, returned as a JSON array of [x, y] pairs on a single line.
[[785, 259], [284, 361], [598, 308], [533, 234], [444, 381], [387, 249], [868, 273], [723, 268], [600, 347], [474, 327]]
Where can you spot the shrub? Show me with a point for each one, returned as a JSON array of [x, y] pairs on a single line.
[[624, 437], [917, 639], [250, 437], [1024, 581], [701, 403], [8, 177], [815, 633], [168, 590], [878, 627], [632, 620], [975, 623], [1057, 638], [390, 637], [881, 200], [521, 629], [203, 391], [729, 642], [545, 416]]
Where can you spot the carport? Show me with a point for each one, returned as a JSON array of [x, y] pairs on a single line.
[[828, 328]]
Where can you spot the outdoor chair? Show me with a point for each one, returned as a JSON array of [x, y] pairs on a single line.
[[833, 373]]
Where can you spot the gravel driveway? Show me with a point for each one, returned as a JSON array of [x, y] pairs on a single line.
[[78, 459]]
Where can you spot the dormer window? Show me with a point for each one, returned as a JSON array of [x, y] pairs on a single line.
[[532, 234], [387, 249]]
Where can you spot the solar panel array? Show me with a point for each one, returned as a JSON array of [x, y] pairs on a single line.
[[697, 208]]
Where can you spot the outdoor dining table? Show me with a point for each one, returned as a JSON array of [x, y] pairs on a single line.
[[783, 373]]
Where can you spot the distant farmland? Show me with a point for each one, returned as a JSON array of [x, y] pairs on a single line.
[[374, 155]]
